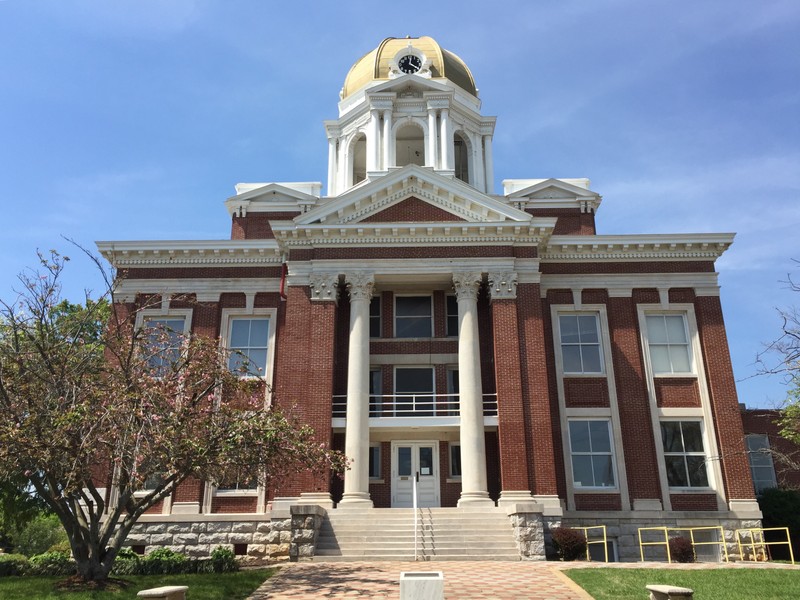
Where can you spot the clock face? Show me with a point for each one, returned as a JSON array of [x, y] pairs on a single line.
[[409, 63]]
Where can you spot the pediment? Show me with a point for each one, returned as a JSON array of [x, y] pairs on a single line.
[[270, 197], [413, 190], [554, 189]]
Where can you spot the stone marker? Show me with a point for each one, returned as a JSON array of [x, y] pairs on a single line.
[[668, 592], [167, 592], [428, 585]]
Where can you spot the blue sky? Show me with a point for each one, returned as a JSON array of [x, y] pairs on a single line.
[[133, 119]]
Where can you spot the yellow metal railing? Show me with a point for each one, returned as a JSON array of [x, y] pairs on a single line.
[[758, 545], [692, 530], [603, 541]]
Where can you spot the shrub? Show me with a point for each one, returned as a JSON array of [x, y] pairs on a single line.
[[163, 561], [38, 535], [52, 563], [13, 564], [63, 547], [680, 549], [126, 563], [223, 560], [570, 544]]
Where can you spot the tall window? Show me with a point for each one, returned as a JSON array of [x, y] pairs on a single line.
[[375, 461], [592, 458], [452, 316], [248, 343], [580, 343], [164, 336], [669, 344], [375, 391], [684, 455], [375, 317], [761, 465], [414, 388], [455, 459], [413, 317]]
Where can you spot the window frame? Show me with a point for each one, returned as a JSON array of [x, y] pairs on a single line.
[[765, 451], [710, 474], [600, 342], [451, 475], [376, 478], [448, 315], [576, 486], [155, 314], [689, 344], [395, 316], [229, 315], [237, 492], [376, 300]]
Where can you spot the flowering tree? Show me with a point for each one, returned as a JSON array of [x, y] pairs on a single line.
[[105, 422]]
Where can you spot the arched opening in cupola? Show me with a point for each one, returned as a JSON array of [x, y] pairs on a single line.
[[410, 145], [461, 152], [358, 159]]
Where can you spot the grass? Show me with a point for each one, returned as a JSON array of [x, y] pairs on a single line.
[[708, 584], [206, 586]]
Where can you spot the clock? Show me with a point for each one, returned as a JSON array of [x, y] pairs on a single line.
[[410, 63]]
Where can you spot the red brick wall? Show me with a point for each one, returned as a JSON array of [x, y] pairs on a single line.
[[222, 504], [418, 252], [628, 267], [724, 402], [511, 416], [598, 502], [412, 210], [785, 454], [677, 392], [571, 221], [693, 501], [634, 405], [190, 490], [255, 226], [584, 392]]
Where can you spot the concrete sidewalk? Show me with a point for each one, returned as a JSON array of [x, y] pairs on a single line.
[[462, 581]]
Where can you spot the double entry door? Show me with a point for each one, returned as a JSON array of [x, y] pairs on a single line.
[[415, 460]]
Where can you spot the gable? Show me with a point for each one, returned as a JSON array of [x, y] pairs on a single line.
[[412, 210]]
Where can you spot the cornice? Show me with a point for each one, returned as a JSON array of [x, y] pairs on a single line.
[[206, 289], [195, 253], [290, 234], [661, 247], [623, 284]]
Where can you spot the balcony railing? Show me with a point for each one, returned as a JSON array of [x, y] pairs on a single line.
[[414, 405]]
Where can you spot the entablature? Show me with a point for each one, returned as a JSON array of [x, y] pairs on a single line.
[[191, 253], [661, 247]]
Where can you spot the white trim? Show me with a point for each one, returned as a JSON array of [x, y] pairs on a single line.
[[205, 289], [580, 311], [612, 453], [191, 253], [229, 314], [621, 285], [150, 314], [707, 462]]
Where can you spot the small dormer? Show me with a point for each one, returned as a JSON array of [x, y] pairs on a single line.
[[409, 101]]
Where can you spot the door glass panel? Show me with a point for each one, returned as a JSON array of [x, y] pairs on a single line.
[[426, 461], [404, 461]]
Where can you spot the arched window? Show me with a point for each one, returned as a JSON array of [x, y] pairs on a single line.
[[358, 153], [410, 146]]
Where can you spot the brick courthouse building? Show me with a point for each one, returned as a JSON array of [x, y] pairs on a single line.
[[494, 344]]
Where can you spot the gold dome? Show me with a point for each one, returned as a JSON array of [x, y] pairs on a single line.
[[374, 66]]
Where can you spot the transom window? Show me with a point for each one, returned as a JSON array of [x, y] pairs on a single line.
[[413, 317], [248, 342], [761, 465], [592, 456], [684, 454], [669, 344], [580, 343]]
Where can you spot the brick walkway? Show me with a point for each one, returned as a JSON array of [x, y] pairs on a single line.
[[462, 580]]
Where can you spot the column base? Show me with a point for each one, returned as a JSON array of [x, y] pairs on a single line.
[[322, 499], [552, 506], [471, 499], [355, 500], [514, 497]]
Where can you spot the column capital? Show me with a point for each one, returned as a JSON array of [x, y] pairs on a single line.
[[324, 286], [467, 283], [359, 285], [503, 285]]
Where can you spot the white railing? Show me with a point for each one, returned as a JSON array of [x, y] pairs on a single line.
[[416, 512], [414, 405]]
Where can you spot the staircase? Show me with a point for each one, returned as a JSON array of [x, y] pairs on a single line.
[[442, 534]]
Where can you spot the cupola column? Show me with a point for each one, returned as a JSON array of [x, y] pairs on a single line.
[[430, 150], [474, 488], [331, 166], [356, 437], [446, 138], [477, 166], [387, 138], [373, 143], [488, 161]]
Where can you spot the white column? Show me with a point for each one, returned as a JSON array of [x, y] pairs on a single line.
[[373, 142], [430, 149], [478, 172], [474, 489], [331, 166], [387, 138], [488, 161], [446, 139], [356, 437]]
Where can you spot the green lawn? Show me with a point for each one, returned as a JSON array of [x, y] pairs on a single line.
[[208, 586], [716, 584]]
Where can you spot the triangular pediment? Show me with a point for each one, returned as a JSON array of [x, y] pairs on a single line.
[[554, 189], [428, 193], [271, 197]]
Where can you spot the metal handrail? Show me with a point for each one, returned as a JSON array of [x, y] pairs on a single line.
[[415, 479], [414, 405]]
